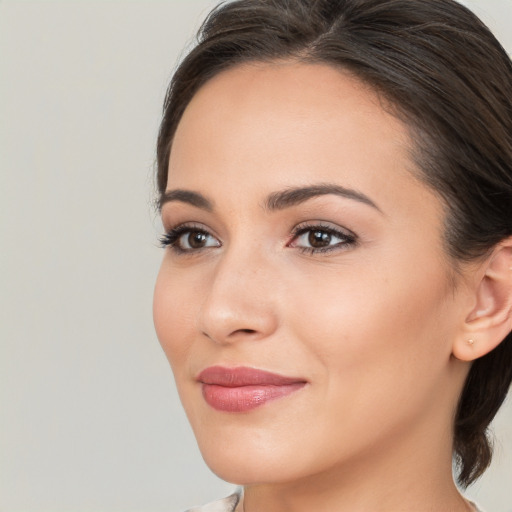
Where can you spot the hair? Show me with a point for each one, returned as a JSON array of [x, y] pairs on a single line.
[[447, 77]]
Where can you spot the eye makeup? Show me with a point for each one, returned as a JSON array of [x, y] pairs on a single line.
[[310, 238]]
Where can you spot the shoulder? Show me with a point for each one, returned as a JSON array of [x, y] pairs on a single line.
[[232, 503]]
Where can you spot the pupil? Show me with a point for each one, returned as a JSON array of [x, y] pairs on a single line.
[[196, 239], [319, 238]]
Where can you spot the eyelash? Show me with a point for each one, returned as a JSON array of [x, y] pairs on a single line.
[[349, 239], [171, 237]]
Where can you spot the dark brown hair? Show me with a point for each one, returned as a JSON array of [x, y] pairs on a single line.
[[447, 77]]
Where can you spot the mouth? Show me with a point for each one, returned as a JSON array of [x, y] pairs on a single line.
[[242, 389]]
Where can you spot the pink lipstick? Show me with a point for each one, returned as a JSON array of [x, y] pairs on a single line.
[[242, 389]]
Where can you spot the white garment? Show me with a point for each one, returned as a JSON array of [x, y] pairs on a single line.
[[235, 503]]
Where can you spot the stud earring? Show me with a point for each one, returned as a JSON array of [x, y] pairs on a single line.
[[471, 342]]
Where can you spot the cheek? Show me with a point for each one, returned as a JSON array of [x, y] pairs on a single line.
[[172, 314], [376, 349], [366, 326]]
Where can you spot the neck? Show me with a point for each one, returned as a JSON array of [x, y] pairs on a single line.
[[412, 474]]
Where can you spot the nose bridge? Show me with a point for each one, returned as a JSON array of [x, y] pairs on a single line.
[[239, 298]]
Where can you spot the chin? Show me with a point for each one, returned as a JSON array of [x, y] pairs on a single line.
[[251, 456], [246, 456], [246, 468]]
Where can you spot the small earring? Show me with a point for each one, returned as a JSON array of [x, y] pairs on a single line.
[[471, 342]]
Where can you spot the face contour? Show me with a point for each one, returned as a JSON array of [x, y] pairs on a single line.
[[306, 249]]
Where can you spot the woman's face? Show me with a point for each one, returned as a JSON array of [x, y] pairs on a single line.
[[301, 244]]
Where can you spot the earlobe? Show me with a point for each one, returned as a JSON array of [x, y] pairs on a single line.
[[490, 319]]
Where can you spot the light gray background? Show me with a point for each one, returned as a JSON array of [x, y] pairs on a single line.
[[89, 419]]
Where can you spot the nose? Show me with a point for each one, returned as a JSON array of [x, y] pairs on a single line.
[[240, 300]]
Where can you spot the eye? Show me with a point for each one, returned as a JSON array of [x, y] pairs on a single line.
[[188, 239], [320, 238]]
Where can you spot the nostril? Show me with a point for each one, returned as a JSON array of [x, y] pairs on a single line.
[[232, 335]]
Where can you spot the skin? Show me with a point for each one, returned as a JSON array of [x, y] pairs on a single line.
[[370, 325]]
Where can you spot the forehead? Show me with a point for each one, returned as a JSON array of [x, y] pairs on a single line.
[[264, 126], [278, 93]]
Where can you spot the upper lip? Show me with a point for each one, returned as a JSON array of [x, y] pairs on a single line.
[[244, 376]]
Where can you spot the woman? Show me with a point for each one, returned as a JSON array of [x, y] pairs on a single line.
[[335, 181]]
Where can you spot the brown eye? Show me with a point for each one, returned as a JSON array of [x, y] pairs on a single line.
[[185, 239], [196, 239], [319, 238]]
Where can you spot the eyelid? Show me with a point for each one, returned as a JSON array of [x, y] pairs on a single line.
[[324, 226], [171, 236], [348, 237]]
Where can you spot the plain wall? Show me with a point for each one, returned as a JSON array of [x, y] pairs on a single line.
[[89, 418]]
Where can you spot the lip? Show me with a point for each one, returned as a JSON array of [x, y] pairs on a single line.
[[242, 389]]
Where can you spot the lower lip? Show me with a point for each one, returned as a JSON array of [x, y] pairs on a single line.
[[245, 398]]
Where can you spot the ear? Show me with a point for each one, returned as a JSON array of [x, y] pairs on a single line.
[[489, 320]]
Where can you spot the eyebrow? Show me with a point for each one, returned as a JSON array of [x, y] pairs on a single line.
[[186, 196], [276, 200], [297, 195]]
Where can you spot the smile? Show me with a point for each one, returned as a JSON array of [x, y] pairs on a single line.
[[242, 389]]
